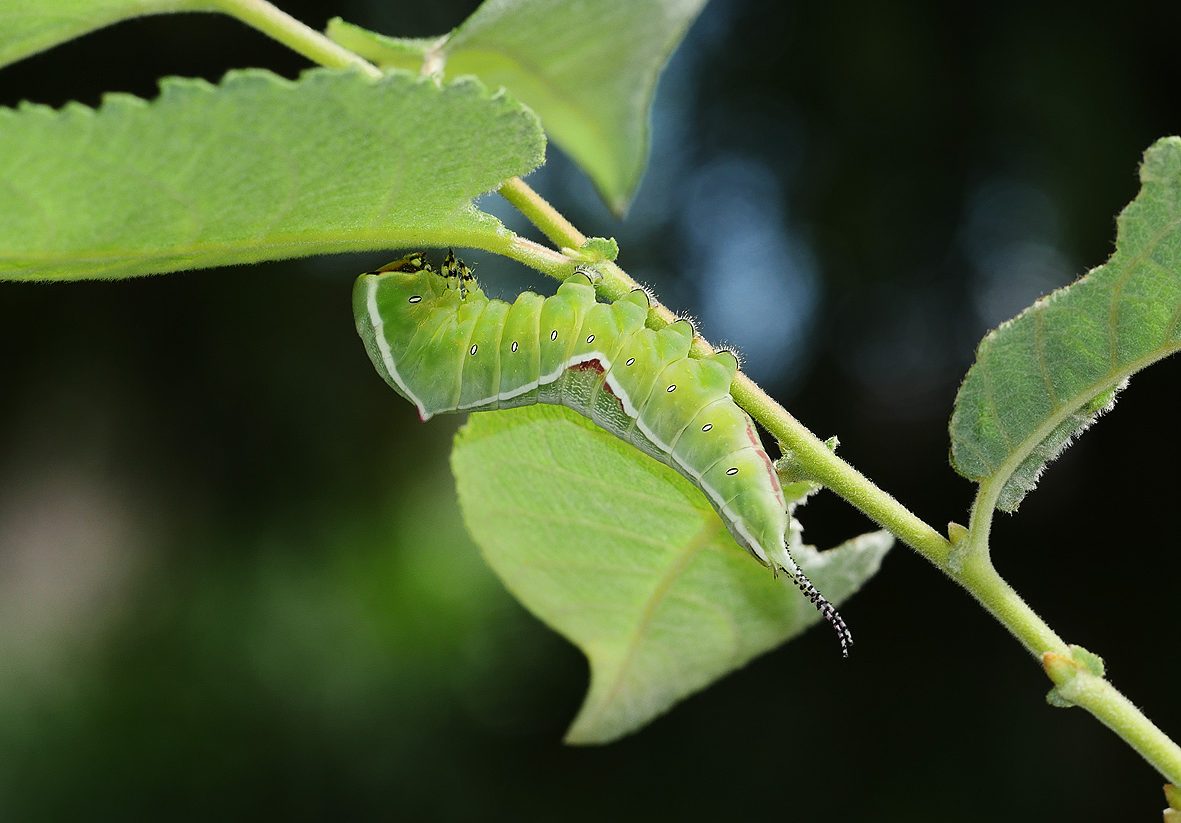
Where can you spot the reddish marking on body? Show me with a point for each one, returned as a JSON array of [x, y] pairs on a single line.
[[594, 365], [587, 365], [753, 437]]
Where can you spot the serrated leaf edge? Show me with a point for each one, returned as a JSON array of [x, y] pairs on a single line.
[[175, 88]]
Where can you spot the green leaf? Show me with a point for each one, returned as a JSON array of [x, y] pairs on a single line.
[[257, 168], [589, 70], [624, 557], [1043, 377], [30, 26]]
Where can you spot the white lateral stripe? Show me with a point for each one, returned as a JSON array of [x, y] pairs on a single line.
[[387, 355], [739, 525], [722, 505], [545, 380]]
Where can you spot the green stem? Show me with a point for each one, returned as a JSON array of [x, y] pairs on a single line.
[[968, 565], [821, 464], [976, 542], [981, 579], [553, 225], [534, 255], [1089, 691], [295, 35]]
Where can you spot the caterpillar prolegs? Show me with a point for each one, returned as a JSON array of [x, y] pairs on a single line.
[[445, 346]]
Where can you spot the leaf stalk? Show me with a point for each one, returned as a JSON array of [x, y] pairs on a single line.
[[301, 38]]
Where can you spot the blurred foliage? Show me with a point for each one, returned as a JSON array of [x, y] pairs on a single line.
[[232, 576]]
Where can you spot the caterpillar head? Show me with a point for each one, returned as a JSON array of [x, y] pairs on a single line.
[[414, 262]]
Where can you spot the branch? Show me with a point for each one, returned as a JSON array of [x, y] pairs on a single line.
[[972, 568], [967, 563]]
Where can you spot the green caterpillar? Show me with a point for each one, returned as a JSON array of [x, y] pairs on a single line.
[[444, 346]]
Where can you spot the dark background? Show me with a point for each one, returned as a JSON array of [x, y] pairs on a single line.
[[233, 581]]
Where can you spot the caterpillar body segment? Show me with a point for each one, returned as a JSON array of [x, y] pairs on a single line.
[[441, 343]]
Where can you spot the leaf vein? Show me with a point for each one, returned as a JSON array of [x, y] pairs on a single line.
[[659, 592]]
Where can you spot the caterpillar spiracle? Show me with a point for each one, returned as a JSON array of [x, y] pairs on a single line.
[[446, 347]]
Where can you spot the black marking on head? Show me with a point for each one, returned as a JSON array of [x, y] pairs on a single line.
[[733, 470], [671, 388], [590, 338], [630, 361], [454, 267], [415, 299], [553, 335], [411, 263], [472, 350], [707, 427], [514, 345]]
